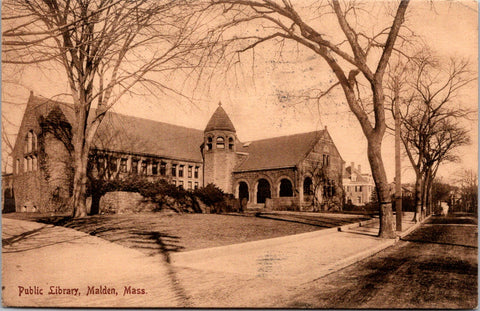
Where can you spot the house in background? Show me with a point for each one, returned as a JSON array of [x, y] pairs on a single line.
[[280, 171], [358, 186]]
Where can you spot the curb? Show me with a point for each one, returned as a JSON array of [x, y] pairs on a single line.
[[412, 228]]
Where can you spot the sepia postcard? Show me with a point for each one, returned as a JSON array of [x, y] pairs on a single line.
[[240, 154]]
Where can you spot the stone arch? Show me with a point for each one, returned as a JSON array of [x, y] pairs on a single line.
[[242, 190], [263, 190], [284, 187]]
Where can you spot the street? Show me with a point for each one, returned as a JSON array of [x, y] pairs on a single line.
[[434, 267]]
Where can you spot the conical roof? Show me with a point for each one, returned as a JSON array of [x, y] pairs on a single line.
[[220, 121]]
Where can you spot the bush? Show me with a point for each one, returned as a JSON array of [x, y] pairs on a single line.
[[167, 195]]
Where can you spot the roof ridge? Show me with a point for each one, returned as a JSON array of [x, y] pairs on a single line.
[[151, 120], [303, 133]]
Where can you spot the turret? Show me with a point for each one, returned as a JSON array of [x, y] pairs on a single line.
[[220, 140]]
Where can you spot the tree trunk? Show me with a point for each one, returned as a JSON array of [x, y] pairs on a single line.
[[80, 184], [81, 145], [387, 229], [417, 216]]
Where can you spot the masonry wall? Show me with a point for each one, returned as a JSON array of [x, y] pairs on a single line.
[[272, 176]]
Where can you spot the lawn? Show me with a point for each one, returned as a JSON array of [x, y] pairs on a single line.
[[157, 232]]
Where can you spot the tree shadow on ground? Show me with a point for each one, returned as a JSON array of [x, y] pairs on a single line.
[[320, 221], [127, 232]]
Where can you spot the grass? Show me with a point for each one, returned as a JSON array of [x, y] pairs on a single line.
[[154, 232]]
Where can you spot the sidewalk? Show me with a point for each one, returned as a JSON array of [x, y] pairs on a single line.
[[297, 258], [252, 274], [37, 257]]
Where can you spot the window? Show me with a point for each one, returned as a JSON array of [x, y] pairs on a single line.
[[135, 166], [174, 170], [29, 164], [112, 164], [196, 185], [154, 168], [123, 165], [230, 143], [17, 166], [163, 168], [209, 143], [29, 141], [359, 199], [196, 172], [360, 188], [189, 185], [100, 164], [180, 183], [174, 182], [326, 160], [220, 142], [190, 168], [180, 171], [34, 163], [25, 164], [144, 168]]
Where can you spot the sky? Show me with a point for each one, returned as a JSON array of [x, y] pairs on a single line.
[[259, 97]]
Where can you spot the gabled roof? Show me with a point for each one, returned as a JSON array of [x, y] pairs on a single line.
[[127, 134], [360, 177], [219, 121], [124, 133], [278, 152]]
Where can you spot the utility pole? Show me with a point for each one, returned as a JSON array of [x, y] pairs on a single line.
[[398, 173]]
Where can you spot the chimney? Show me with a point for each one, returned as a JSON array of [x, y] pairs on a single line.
[[359, 168]]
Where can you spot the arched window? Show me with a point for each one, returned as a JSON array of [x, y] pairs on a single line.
[[230, 143], [34, 141], [220, 142], [286, 188], [29, 141], [209, 143], [307, 186]]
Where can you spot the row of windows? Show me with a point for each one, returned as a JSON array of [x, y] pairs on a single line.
[[146, 167], [220, 143], [29, 164], [355, 188], [190, 185]]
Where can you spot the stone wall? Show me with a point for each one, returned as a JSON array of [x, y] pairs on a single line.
[[123, 202]]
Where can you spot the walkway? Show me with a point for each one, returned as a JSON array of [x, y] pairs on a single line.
[[37, 256]]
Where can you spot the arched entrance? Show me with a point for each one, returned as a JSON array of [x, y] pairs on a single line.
[[243, 191], [286, 188], [307, 186], [263, 190]]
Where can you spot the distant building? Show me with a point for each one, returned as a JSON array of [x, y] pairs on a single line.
[[279, 170], [358, 186]]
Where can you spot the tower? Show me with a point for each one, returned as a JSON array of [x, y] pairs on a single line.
[[220, 140]]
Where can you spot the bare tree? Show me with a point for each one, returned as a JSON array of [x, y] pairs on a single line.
[[468, 191], [353, 53], [105, 48], [427, 92]]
